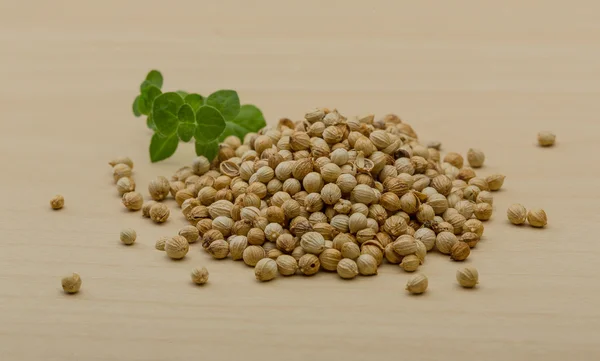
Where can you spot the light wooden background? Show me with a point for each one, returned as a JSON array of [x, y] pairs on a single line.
[[469, 73]]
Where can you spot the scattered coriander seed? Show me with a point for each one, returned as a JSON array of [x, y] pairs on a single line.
[[125, 185], [71, 284], [219, 249], [347, 268], [190, 233], [160, 243], [128, 236], [475, 157], [467, 277], [445, 241], [57, 202], [350, 250], [460, 251], [123, 160], [177, 247], [121, 170], [146, 206], [417, 284], [199, 275], [546, 139], [517, 214], [495, 181], [133, 201], [159, 188], [265, 270], [537, 218], [159, 213]]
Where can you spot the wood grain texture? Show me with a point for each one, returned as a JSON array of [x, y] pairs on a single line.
[[469, 73]]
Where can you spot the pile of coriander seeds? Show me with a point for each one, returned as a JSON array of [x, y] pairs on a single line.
[[328, 193]]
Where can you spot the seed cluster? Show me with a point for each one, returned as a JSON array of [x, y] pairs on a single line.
[[330, 193], [518, 214]]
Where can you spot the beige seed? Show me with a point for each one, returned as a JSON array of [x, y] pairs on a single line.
[[350, 250], [160, 243], [517, 214], [287, 265], [121, 170], [460, 251], [329, 259], [123, 160], [159, 213], [133, 201], [410, 263], [445, 241], [219, 249], [309, 264], [159, 188], [177, 247], [253, 254], [57, 202], [467, 277], [71, 284], [199, 275], [125, 185], [313, 242], [475, 157], [367, 265], [546, 139], [190, 233], [347, 268], [265, 270], [537, 218], [128, 236], [417, 284]]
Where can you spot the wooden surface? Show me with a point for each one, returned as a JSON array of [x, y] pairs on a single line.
[[471, 74]]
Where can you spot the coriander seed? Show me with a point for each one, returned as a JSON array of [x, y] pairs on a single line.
[[125, 185], [177, 247], [199, 275], [146, 206], [417, 284], [410, 263], [123, 160], [159, 188], [253, 254], [265, 270], [460, 251], [467, 277], [329, 259], [546, 139], [537, 218], [121, 170], [286, 265], [160, 243], [309, 264], [475, 157], [133, 201], [367, 265], [517, 214], [128, 236], [159, 213], [57, 202], [347, 268], [190, 233], [71, 284]]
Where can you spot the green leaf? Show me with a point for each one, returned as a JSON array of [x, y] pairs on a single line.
[[183, 93], [187, 122], [162, 147], [135, 106], [149, 93], [150, 122], [210, 124], [250, 119], [155, 77], [186, 131], [195, 100], [186, 114], [225, 101], [208, 149], [165, 112]]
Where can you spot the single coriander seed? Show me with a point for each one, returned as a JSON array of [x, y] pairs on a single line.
[[57, 202], [159, 213], [347, 268], [160, 243], [460, 251], [128, 236], [71, 284], [546, 139], [199, 275], [467, 277], [537, 218], [475, 157], [133, 201], [517, 214], [177, 247], [417, 284]]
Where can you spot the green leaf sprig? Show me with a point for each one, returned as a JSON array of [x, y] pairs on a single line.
[[180, 116]]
